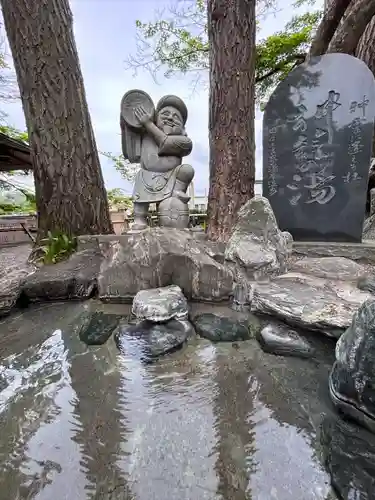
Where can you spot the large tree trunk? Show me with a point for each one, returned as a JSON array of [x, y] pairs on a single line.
[[231, 33], [366, 52], [334, 11], [69, 185], [366, 47], [349, 32]]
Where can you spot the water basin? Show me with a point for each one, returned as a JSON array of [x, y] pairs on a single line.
[[208, 422]]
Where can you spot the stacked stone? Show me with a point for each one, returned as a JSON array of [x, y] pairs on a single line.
[[161, 324]]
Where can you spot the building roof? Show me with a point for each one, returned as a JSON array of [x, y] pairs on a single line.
[[14, 154]]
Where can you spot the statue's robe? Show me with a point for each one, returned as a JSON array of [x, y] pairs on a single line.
[[156, 179]]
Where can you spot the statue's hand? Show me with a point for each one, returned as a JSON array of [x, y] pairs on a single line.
[[142, 115]]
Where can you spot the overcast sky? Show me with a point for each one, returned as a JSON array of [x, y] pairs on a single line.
[[105, 36]]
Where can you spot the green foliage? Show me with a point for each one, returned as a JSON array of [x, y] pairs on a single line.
[[280, 52], [56, 247], [14, 133], [25, 202], [7, 208], [179, 44], [118, 199], [127, 170]]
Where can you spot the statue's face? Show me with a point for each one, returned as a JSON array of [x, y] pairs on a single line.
[[169, 120]]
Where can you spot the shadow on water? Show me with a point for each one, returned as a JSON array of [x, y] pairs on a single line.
[[208, 422]]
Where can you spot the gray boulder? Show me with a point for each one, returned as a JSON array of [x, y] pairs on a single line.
[[352, 379], [148, 341], [96, 327], [75, 278], [257, 245], [11, 284], [160, 304], [348, 452], [225, 329], [309, 302], [159, 257], [279, 339]]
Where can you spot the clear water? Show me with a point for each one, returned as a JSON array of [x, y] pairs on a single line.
[[206, 423]]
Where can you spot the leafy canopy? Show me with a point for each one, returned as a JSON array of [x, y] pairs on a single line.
[[118, 199], [178, 42]]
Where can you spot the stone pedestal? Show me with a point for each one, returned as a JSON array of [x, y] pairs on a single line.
[[360, 252]]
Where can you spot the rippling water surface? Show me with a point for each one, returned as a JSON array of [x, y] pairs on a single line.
[[209, 422]]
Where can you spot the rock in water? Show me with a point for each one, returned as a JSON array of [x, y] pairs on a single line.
[[257, 244], [308, 302], [352, 379], [160, 304], [349, 455], [281, 340], [148, 341], [98, 326], [225, 329]]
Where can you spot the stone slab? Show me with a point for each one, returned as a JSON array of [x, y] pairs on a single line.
[[317, 142], [360, 252]]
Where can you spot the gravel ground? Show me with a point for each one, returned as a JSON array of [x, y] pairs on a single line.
[[13, 257]]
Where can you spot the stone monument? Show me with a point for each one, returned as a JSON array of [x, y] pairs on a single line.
[[156, 138], [317, 141]]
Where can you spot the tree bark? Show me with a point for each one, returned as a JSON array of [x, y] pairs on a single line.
[[366, 52], [349, 32], [366, 46], [69, 186], [334, 12], [231, 34]]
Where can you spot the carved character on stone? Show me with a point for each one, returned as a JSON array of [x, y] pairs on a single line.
[[156, 138]]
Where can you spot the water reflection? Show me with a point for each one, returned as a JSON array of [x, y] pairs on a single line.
[[209, 422], [235, 437], [95, 379], [37, 418], [168, 405]]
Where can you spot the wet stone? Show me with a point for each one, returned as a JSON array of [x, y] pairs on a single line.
[[160, 304], [98, 326], [352, 379], [148, 341], [281, 340], [349, 455], [225, 329]]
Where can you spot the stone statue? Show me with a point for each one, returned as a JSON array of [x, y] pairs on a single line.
[[156, 139]]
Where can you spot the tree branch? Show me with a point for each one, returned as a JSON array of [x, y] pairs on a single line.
[[328, 27], [299, 58]]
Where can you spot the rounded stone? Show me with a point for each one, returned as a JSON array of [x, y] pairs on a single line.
[[281, 340], [96, 327], [160, 304], [148, 341], [222, 328]]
